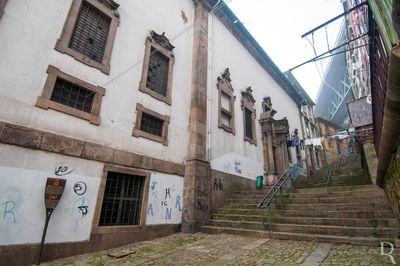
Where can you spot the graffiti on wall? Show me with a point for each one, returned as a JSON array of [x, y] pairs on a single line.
[[202, 197], [218, 183], [164, 204], [22, 205]]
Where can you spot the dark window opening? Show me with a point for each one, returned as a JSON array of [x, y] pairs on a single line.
[[72, 95], [248, 123], [151, 124], [91, 32], [122, 200], [157, 75]]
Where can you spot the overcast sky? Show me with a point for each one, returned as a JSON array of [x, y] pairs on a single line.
[[278, 25]]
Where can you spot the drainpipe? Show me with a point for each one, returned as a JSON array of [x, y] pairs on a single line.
[[210, 77]]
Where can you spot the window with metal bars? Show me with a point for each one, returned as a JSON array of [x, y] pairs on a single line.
[[157, 75], [248, 123], [122, 199], [151, 124], [91, 32], [72, 95]]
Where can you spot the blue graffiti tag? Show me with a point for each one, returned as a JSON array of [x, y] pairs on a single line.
[[168, 213], [10, 210], [178, 203], [150, 209]]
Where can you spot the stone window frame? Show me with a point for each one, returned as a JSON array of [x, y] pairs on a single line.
[[62, 45], [96, 228], [2, 6], [44, 101], [140, 109], [224, 86], [248, 102], [161, 44]]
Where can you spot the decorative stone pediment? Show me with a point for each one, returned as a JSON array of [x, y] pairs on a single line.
[[247, 97], [224, 81], [281, 126], [161, 40], [268, 111]]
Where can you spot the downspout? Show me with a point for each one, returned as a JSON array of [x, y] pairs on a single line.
[[210, 78]]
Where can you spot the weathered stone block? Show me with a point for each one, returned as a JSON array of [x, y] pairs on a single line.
[[21, 136], [61, 144], [124, 158], [96, 152]]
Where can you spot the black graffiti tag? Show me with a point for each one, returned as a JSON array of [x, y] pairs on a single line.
[[83, 209], [62, 169], [80, 188]]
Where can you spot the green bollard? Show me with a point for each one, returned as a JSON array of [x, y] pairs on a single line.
[[259, 182]]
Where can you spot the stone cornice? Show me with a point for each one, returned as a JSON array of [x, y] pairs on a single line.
[[50, 142]]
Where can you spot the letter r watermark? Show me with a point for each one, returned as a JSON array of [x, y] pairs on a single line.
[[389, 254]]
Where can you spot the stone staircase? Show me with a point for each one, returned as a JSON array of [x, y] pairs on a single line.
[[352, 214]]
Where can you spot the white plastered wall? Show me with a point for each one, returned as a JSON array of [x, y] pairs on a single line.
[[228, 149], [29, 31]]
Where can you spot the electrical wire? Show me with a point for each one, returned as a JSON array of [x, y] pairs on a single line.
[[175, 37]]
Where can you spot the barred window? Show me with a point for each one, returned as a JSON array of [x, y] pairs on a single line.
[[72, 95], [157, 67], [151, 124], [122, 199], [248, 123], [91, 32], [157, 75]]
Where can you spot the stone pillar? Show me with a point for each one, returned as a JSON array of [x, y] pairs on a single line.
[[269, 161], [293, 155], [197, 180]]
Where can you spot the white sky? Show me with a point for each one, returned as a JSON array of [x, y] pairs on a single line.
[[278, 25]]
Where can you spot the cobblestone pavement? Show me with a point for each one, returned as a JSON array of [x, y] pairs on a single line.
[[204, 249]]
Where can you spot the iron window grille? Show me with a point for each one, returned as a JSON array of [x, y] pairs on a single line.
[[248, 123], [72, 95], [91, 32], [151, 125], [157, 74], [157, 68], [122, 200]]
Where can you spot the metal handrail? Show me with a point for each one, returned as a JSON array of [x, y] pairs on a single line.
[[275, 188], [266, 201]]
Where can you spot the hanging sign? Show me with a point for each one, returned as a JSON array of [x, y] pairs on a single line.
[[52, 195], [54, 190]]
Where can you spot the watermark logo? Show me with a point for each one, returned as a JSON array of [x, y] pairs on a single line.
[[389, 254]]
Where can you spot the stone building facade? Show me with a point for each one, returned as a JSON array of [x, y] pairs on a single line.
[[142, 109]]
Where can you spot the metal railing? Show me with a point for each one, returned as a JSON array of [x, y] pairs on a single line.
[[272, 196]]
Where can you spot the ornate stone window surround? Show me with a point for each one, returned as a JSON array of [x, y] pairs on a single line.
[[161, 44], [140, 109], [224, 87], [103, 182], [108, 7], [248, 104], [2, 5], [44, 101]]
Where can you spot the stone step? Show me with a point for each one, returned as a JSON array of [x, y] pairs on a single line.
[[287, 200], [370, 193], [351, 222], [319, 206], [366, 213], [365, 241], [321, 190], [307, 229]]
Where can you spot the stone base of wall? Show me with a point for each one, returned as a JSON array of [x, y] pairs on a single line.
[[223, 185], [28, 254], [392, 184], [371, 161]]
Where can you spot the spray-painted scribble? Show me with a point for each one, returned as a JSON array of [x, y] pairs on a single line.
[[219, 183], [165, 199], [80, 188], [63, 169]]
